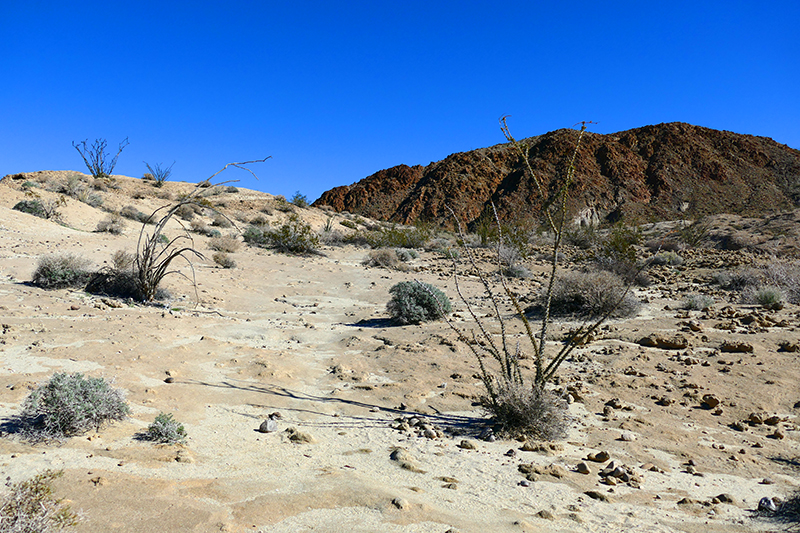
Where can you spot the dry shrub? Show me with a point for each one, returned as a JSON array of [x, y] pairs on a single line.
[[113, 224], [530, 411], [588, 294], [385, 258], [60, 271], [223, 260], [30, 506], [132, 213], [227, 243], [221, 221]]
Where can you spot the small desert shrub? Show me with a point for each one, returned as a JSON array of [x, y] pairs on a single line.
[[221, 221], [294, 236], [231, 189], [113, 224], [30, 507], [158, 174], [186, 212], [406, 255], [348, 224], [413, 302], [332, 237], [768, 297], [397, 237], [282, 205], [223, 260], [90, 199], [166, 430], [584, 237], [259, 220], [529, 411], [118, 280], [39, 208], [588, 294], [60, 271], [69, 405], [385, 258], [617, 253], [300, 200], [227, 243], [786, 276], [132, 213], [664, 244], [697, 302], [738, 280], [694, 234], [666, 258], [256, 235]]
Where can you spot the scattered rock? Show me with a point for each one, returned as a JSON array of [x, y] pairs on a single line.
[[657, 340], [546, 515], [710, 401], [627, 437], [736, 347], [299, 437], [405, 460], [401, 503], [599, 457], [767, 504], [723, 498], [466, 445], [268, 426], [599, 496], [786, 346], [583, 468], [74, 307]]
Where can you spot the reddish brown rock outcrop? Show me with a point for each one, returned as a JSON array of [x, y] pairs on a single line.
[[656, 171]]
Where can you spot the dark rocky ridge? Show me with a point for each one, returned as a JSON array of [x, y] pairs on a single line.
[[650, 173]]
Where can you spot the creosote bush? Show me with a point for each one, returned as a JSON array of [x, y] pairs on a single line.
[[69, 405], [166, 430], [294, 236], [60, 271], [414, 302], [30, 507]]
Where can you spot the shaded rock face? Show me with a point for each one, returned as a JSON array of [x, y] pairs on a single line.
[[653, 172]]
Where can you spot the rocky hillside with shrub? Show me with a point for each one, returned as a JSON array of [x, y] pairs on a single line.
[[659, 172]]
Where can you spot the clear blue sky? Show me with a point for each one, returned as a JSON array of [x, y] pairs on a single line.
[[335, 91]]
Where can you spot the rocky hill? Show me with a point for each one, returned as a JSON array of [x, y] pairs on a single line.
[[653, 172]]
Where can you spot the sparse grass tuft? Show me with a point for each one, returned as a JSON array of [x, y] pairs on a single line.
[[415, 302], [768, 297], [69, 405], [166, 430], [60, 271], [30, 506], [697, 302], [227, 243]]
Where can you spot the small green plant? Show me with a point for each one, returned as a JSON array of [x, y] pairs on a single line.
[[282, 205], [61, 270], [159, 174], [349, 224], [698, 302], [666, 258], [134, 214], [69, 405], [406, 254], [97, 160], [30, 507], [416, 302], [294, 237], [166, 430], [299, 200], [617, 252], [223, 260], [113, 224], [767, 297], [46, 209]]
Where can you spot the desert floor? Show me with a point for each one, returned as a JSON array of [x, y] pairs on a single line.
[[308, 337]]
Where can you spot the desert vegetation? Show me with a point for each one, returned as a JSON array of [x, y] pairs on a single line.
[[30, 507]]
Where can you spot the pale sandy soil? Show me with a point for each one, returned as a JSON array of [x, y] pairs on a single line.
[[306, 337]]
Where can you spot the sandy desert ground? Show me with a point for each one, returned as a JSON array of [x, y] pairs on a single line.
[[308, 337]]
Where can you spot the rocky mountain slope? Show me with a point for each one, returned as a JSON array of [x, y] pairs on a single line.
[[653, 172]]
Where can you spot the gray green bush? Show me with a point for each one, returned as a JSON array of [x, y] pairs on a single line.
[[697, 302], [113, 224], [70, 405], [414, 302], [166, 430], [30, 507], [59, 271]]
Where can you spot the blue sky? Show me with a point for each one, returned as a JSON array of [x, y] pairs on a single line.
[[335, 91]]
